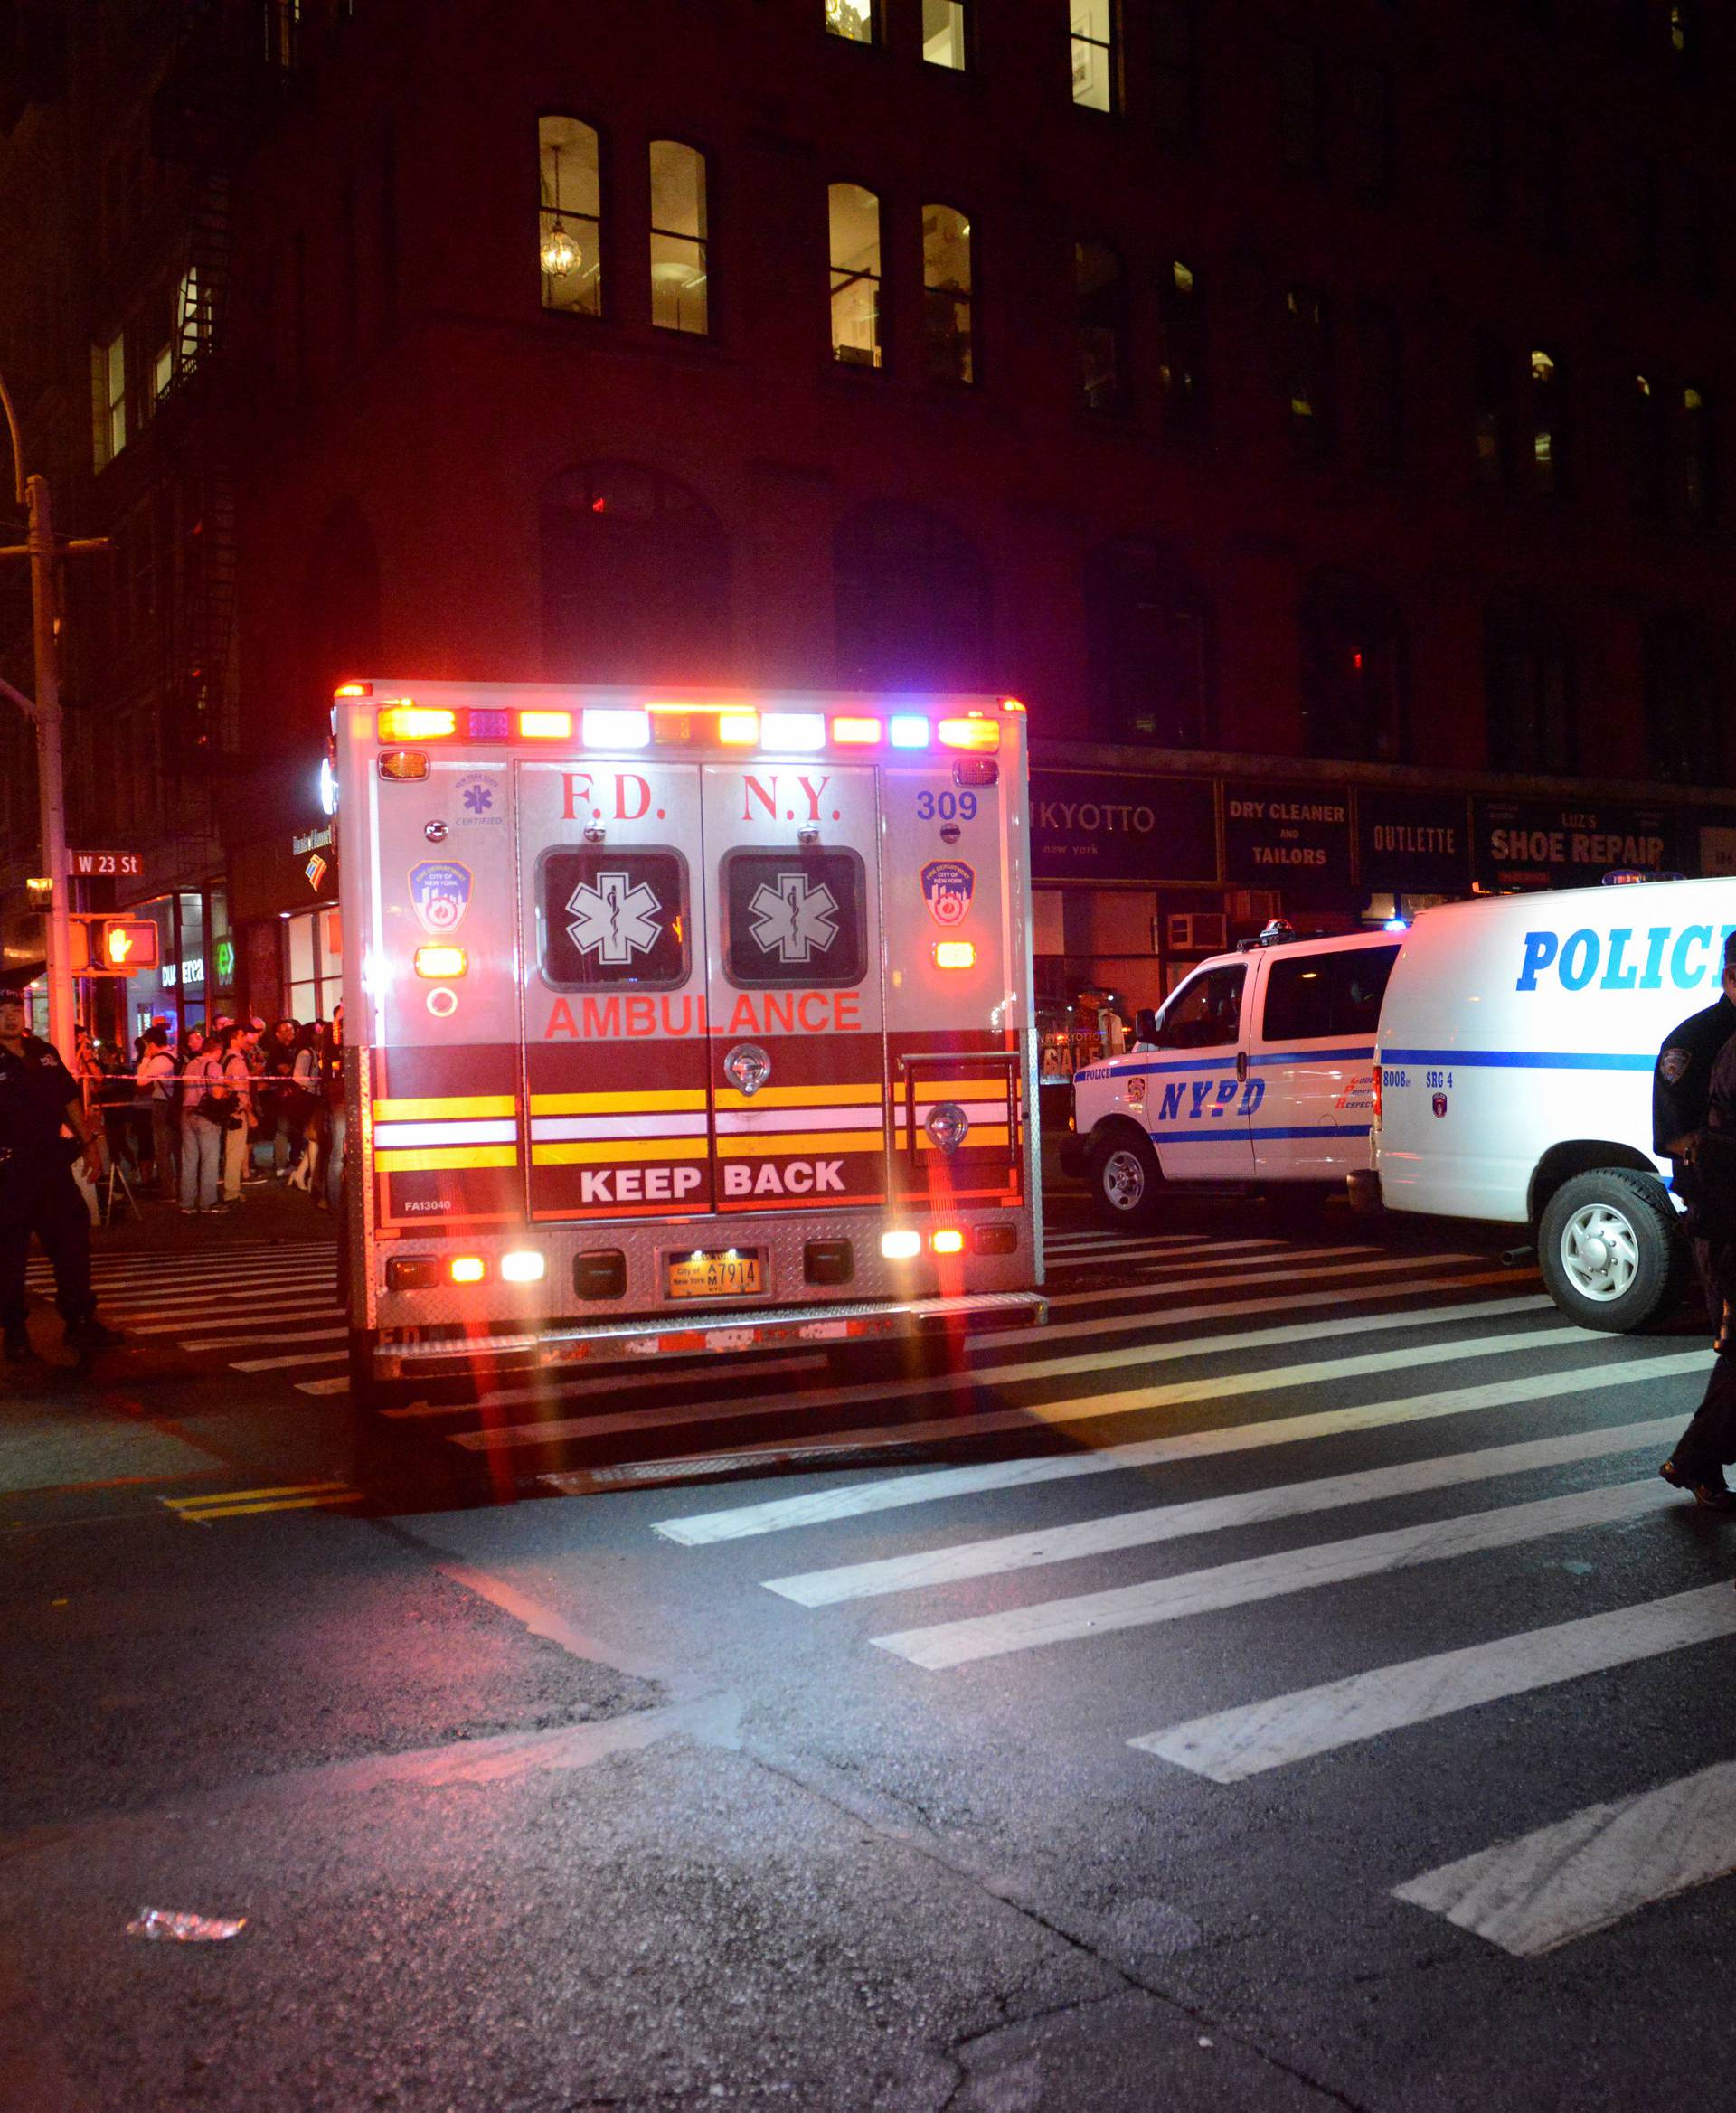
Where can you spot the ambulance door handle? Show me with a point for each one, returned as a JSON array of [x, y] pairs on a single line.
[[1241, 1063]]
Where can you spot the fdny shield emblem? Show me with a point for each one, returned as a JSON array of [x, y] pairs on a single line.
[[948, 886], [439, 893]]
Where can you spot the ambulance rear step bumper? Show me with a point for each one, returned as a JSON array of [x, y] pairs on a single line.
[[598, 1341]]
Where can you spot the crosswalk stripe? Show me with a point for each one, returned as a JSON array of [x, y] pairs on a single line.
[[1592, 1869], [506, 1438], [260, 1342], [1265, 1577], [819, 1507], [1146, 1251], [1231, 1745], [169, 1301], [218, 1262], [637, 1381], [301, 1360], [341, 1385], [1254, 1271], [234, 1314], [1212, 1515]]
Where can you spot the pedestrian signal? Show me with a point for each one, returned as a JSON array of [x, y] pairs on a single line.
[[125, 943]]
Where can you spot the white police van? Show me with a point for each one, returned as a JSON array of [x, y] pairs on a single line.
[[1517, 1042], [1257, 1073]]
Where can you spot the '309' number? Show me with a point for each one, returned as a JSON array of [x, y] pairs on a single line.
[[946, 806]]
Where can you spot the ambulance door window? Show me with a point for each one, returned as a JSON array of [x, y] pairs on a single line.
[[1197, 1113], [612, 919], [795, 917]]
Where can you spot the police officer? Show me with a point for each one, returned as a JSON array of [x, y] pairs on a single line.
[[40, 1099], [1694, 1082]]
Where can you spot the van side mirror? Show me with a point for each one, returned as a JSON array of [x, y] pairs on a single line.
[[1145, 1024]]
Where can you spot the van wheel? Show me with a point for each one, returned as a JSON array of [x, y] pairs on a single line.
[[1611, 1255], [1124, 1180]]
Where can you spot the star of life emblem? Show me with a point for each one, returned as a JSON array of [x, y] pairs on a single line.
[[614, 919], [794, 920]]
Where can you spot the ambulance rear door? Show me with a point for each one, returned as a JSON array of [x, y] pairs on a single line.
[[797, 1053], [612, 926]]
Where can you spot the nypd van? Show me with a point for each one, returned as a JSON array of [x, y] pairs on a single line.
[[1514, 1084], [1257, 1073]]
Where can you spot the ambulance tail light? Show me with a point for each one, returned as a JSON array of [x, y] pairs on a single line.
[[948, 1240], [401, 765], [609, 729], [969, 733], [856, 733], [353, 690], [955, 954], [406, 721], [524, 1265], [900, 1247], [1000, 1238], [976, 770], [545, 726], [1377, 1097], [466, 1268], [1011, 704], [440, 962]]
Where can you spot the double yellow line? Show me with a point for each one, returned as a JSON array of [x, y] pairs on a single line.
[[234, 1503]]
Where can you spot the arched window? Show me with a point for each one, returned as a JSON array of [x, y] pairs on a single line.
[[946, 294], [635, 578], [1147, 620], [680, 282], [1102, 326], [912, 600], [570, 217], [1685, 701], [1353, 672], [854, 215], [1529, 668]]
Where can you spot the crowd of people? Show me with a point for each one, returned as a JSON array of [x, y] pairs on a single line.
[[226, 1108]]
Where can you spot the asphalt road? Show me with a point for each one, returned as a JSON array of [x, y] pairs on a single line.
[[1282, 1682]]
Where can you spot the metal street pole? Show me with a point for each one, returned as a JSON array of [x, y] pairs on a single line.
[[40, 548], [50, 778]]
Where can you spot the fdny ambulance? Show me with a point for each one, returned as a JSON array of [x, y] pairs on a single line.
[[1517, 1042], [1257, 1073], [680, 1021]]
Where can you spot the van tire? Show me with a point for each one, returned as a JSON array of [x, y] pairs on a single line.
[[1612, 1254], [1126, 1180]]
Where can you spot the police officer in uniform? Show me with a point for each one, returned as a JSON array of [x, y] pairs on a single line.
[[39, 1100], [1692, 1087]]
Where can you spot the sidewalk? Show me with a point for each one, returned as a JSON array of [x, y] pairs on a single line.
[[266, 1211]]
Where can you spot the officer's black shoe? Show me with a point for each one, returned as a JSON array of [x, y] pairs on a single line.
[[18, 1349], [1715, 1494], [90, 1335]]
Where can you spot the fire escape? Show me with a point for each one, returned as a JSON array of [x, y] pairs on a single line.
[[229, 60]]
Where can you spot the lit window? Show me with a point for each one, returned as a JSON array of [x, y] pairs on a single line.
[[855, 275], [1308, 342], [1181, 368], [946, 294], [108, 375], [946, 33], [1102, 328], [853, 20], [571, 216], [1094, 55], [679, 296], [1547, 437], [191, 319]]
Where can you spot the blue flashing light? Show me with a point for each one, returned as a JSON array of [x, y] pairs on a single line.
[[908, 731], [484, 725], [1395, 924]]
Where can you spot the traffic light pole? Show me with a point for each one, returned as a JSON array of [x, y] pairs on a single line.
[[41, 550]]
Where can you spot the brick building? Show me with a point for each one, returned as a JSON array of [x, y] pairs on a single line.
[[1312, 411]]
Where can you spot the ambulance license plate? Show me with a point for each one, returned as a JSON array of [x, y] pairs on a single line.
[[732, 1274]]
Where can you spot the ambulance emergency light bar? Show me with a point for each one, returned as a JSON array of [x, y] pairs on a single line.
[[664, 723]]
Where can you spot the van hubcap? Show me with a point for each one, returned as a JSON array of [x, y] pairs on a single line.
[[1124, 1181], [1600, 1252]]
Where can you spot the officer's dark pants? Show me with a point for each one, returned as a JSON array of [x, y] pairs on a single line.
[[45, 1201], [1709, 1442]]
